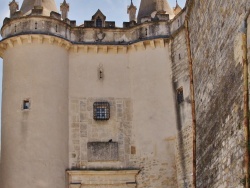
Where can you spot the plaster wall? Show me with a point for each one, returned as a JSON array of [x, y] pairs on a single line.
[[84, 79], [35, 141], [155, 128]]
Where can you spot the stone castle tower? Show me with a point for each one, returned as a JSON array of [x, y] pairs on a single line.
[[96, 106]]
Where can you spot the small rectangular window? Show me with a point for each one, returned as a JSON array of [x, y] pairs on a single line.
[[101, 111], [26, 104], [98, 22], [180, 97]]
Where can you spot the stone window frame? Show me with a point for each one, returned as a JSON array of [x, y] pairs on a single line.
[[26, 104], [100, 17], [99, 22]]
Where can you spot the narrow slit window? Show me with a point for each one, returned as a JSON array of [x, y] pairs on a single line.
[[180, 97], [26, 104], [101, 111]]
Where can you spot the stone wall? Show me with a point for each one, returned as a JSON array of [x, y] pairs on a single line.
[[218, 81], [184, 147], [136, 76], [155, 172], [84, 129]]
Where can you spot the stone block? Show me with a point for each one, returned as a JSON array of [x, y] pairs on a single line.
[[102, 151]]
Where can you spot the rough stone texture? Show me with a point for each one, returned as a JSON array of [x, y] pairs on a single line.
[[218, 81], [180, 68], [102, 151], [144, 113], [84, 129], [184, 157], [155, 173]]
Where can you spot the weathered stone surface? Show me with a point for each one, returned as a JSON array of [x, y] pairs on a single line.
[[184, 145], [89, 138], [150, 62], [218, 81], [102, 151], [103, 178]]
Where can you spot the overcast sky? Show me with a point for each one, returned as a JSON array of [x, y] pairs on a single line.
[[80, 10]]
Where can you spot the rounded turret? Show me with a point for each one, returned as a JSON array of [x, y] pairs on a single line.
[[35, 104], [48, 6], [149, 8]]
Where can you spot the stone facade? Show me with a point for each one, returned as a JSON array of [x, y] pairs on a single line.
[[142, 71], [84, 130], [184, 145], [103, 179], [218, 81]]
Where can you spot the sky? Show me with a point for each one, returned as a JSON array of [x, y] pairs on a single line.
[[80, 10]]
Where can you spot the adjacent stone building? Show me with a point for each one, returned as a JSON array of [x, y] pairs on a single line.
[[99, 106]]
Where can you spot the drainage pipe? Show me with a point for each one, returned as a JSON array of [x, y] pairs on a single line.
[[246, 98]]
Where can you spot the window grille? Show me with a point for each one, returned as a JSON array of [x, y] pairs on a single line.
[[101, 111]]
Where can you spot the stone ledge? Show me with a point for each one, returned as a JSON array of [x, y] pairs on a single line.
[[84, 48], [102, 178]]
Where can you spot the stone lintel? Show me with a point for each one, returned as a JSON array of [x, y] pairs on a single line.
[[102, 178]]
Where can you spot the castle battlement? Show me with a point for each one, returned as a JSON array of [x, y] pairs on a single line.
[[36, 21]]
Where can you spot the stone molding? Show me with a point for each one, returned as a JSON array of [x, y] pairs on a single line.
[[77, 48], [102, 178]]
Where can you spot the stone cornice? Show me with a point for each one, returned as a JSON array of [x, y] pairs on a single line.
[[41, 25], [81, 48]]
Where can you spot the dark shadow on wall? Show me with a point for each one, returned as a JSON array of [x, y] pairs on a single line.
[[180, 138]]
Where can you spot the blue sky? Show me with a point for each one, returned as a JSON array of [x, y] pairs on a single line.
[[80, 10]]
